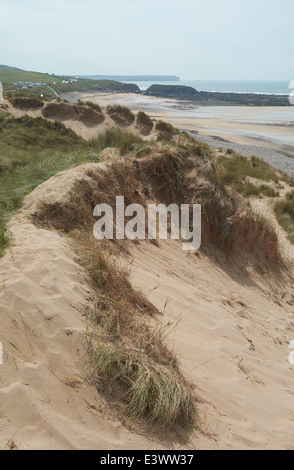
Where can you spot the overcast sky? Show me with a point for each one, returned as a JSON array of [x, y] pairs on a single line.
[[195, 39]]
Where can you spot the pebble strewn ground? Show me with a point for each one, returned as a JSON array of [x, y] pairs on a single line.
[[277, 158]]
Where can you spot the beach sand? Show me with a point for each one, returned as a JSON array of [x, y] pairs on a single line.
[[261, 131]]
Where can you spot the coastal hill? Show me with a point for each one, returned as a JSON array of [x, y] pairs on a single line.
[[50, 85], [180, 92], [13, 74]]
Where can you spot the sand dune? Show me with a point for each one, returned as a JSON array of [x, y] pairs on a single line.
[[85, 130], [45, 401], [232, 341]]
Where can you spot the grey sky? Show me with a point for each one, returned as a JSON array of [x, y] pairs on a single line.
[[196, 39]]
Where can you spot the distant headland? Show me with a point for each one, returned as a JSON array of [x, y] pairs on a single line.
[[179, 92], [133, 78]]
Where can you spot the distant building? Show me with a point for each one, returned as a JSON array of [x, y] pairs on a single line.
[[1, 93]]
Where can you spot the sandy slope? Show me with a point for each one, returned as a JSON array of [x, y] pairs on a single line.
[[232, 341], [45, 402]]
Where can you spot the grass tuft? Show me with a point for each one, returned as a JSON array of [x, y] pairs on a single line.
[[121, 115], [131, 363], [144, 123], [284, 211], [118, 138], [234, 170]]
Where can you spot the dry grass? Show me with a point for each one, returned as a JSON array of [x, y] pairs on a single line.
[[131, 364], [88, 114], [172, 175], [27, 103], [119, 138], [91, 105], [121, 115], [144, 123], [165, 131]]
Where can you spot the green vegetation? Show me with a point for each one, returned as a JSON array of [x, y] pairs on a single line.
[[101, 86], [91, 105], [121, 115], [26, 102], [52, 84], [118, 138], [284, 211], [144, 123], [166, 131], [8, 75], [33, 150], [235, 170]]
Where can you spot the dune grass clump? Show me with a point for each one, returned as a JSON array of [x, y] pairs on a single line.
[[34, 149], [284, 211], [144, 123], [91, 105], [90, 117], [165, 131], [124, 140], [121, 115], [88, 113], [149, 393], [131, 364], [22, 138], [235, 170], [27, 102], [61, 111], [249, 189], [31, 151]]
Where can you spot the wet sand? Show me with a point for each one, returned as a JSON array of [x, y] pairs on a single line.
[[262, 131]]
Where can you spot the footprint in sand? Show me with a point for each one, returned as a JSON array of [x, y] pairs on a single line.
[[291, 356]]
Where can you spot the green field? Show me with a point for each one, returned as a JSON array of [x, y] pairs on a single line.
[[8, 75]]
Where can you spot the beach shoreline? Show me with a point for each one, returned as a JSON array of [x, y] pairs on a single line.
[[265, 132]]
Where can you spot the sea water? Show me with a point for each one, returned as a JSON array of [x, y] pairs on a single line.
[[230, 86]]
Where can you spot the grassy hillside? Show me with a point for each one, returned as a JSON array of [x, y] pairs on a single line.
[[33, 150], [10, 74], [53, 83], [107, 86]]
